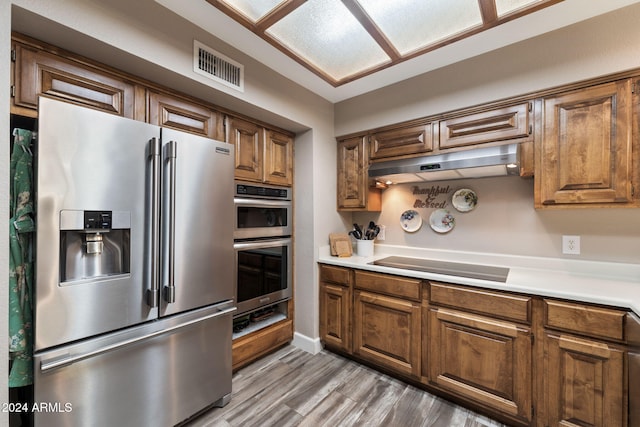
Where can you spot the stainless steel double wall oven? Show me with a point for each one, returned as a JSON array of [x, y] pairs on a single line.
[[263, 245]]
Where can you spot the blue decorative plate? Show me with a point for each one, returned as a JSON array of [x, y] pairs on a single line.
[[411, 221]]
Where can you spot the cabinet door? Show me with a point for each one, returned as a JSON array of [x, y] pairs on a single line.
[[584, 382], [248, 139], [501, 124], [278, 158], [178, 113], [404, 141], [584, 156], [482, 359], [387, 331], [41, 73], [335, 315], [353, 179], [634, 389]]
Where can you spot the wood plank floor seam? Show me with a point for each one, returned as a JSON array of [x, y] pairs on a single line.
[[292, 388]]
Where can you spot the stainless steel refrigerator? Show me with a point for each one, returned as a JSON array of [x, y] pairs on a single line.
[[134, 271]]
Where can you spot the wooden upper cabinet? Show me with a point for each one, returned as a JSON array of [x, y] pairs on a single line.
[[41, 73], [501, 124], [354, 192], [584, 155], [278, 158], [179, 113], [403, 141], [248, 139], [262, 155]]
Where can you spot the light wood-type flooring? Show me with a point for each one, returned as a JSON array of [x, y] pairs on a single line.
[[293, 388]]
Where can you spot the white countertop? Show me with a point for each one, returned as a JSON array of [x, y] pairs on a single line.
[[609, 283]]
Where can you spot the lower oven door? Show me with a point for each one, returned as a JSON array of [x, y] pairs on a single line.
[[264, 274]]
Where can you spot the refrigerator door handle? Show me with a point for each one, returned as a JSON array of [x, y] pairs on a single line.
[[154, 205], [169, 288], [67, 359]]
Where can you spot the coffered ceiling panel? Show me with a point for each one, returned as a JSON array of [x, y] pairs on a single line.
[[344, 40], [412, 25]]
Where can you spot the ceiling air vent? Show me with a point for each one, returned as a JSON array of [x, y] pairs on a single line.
[[216, 66]]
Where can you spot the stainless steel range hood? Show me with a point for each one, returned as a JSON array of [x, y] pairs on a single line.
[[475, 163]]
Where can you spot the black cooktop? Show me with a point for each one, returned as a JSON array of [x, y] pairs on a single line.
[[474, 271]]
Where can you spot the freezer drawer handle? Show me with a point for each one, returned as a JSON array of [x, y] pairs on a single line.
[[47, 365], [170, 289]]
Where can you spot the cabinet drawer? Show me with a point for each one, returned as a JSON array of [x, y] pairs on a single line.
[[404, 141], [494, 304], [584, 319], [400, 287], [42, 73], [174, 112], [512, 122], [335, 274]]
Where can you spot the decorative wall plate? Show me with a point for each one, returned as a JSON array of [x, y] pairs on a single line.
[[411, 221], [464, 200], [442, 221]]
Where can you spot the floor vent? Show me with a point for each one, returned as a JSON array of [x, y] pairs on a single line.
[[216, 66]]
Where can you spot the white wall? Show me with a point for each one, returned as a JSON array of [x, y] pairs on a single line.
[[505, 221]]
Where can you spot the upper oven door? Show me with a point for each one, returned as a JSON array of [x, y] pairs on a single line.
[[261, 218]]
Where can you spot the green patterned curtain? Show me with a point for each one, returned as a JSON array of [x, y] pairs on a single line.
[[21, 228]]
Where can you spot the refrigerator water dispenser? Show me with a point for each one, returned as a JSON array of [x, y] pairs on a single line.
[[94, 244]]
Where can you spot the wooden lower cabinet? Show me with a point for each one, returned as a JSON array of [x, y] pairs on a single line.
[[524, 359], [387, 331], [335, 316], [482, 359], [584, 382], [253, 346], [335, 307], [634, 388]]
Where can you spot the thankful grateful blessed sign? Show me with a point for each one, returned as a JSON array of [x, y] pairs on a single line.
[[431, 197]]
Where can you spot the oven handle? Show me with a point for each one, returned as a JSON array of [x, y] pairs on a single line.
[[238, 201], [256, 244]]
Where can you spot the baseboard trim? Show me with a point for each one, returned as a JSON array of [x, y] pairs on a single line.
[[303, 342]]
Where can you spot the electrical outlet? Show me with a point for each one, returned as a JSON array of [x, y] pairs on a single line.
[[381, 234], [571, 245]]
